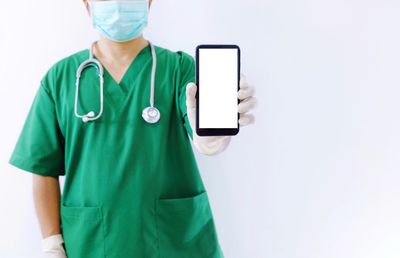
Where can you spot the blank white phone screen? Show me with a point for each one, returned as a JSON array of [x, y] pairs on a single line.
[[218, 88]]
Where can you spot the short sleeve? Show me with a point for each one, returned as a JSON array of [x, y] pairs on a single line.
[[187, 74], [40, 146]]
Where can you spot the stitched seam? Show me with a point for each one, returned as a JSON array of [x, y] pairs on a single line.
[[157, 230]]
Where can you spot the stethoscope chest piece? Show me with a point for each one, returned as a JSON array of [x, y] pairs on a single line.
[[151, 115]]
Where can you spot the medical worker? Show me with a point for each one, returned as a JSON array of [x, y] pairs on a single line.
[[132, 185]]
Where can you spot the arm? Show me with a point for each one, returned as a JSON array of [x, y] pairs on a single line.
[[40, 150], [46, 194]]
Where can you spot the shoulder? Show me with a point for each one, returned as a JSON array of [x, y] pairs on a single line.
[[182, 63], [180, 57], [65, 67]]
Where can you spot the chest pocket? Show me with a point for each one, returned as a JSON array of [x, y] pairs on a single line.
[[186, 228]]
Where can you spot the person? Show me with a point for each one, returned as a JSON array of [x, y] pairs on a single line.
[[132, 189]]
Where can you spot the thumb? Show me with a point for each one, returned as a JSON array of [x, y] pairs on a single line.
[[191, 90]]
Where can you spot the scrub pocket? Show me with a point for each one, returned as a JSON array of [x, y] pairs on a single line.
[[186, 228], [82, 230]]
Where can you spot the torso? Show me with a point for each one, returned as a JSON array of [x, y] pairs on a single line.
[[119, 167]]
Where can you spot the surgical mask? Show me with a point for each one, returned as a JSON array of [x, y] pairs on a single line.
[[120, 20]]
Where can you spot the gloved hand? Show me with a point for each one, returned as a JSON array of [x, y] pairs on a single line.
[[211, 145], [52, 247]]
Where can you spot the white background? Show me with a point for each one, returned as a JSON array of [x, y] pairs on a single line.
[[318, 175]]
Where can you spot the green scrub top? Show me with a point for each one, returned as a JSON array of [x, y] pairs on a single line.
[[132, 189]]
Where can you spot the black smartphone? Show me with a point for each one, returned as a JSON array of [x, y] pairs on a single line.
[[217, 78]]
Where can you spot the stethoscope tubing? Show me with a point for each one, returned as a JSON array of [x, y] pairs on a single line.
[[149, 114]]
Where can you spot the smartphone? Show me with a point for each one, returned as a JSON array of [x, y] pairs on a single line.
[[217, 78]]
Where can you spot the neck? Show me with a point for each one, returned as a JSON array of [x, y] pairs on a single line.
[[121, 51]]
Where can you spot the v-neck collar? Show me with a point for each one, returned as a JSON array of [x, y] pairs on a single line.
[[123, 87]]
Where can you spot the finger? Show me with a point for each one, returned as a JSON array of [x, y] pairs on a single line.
[[247, 104], [191, 90], [243, 82], [243, 77], [246, 92], [246, 119]]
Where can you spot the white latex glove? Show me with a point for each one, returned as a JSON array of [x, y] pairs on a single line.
[[211, 145], [52, 247]]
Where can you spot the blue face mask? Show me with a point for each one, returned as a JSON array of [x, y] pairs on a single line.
[[119, 20]]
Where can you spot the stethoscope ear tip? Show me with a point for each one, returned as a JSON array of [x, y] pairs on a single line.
[[85, 118]]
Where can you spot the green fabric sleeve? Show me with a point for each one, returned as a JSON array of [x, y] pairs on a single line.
[[40, 146], [187, 74]]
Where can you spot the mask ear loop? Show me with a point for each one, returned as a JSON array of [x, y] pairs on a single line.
[[95, 63]]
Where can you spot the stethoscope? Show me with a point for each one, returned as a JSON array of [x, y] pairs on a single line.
[[150, 114]]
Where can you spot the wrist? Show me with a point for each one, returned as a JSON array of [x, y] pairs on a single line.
[[53, 243], [211, 145]]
